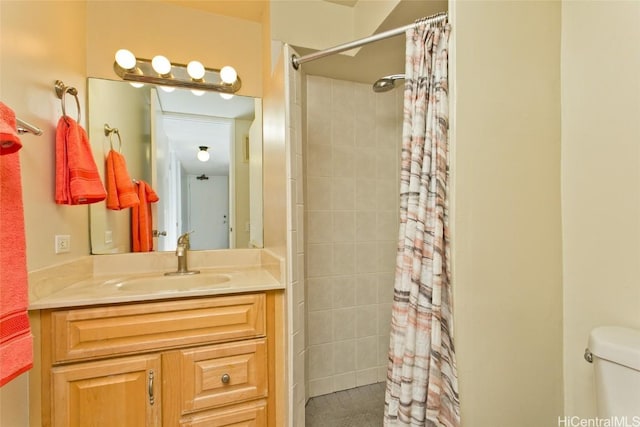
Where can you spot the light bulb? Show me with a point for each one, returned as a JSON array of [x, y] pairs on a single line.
[[197, 92], [136, 84], [126, 59], [228, 74], [227, 96], [203, 154], [195, 70], [161, 65], [168, 89]]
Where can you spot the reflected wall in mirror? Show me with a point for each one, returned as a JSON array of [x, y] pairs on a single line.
[[220, 200]]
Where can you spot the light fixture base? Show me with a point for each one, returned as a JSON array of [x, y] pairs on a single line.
[[178, 77]]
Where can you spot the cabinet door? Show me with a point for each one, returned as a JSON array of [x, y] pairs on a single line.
[[123, 392]]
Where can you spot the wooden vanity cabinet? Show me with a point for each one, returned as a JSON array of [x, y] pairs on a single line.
[[188, 362]]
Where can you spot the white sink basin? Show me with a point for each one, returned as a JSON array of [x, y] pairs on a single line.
[[159, 283]]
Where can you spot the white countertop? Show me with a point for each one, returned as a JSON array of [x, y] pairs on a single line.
[[124, 288]]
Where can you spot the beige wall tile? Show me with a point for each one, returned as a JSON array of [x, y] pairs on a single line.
[[344, 291], [319, 293], [320, 327], [319, 224], [343, 193], [365, 163], [366, 320], [360, 231], [344, 323], [344, 356], [366, 289], [366, 226], [345, 381], [366, 376], [320, 361], [319, 387], [319, 260], [319, 160], [366, 257], [342, 161], [366, 352], [344, 260], [366, 194], [318, 193], [344, 226]]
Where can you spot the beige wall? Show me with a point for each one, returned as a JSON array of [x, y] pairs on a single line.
[[600, 181], [507, 260], [149, 28], [29, 66], [352, 159]]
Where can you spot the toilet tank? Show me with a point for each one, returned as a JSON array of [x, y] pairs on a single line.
[[616, 360]]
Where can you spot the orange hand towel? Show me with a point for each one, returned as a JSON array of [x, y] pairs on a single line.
[[121, 193], [77, 178], [141, 220], [9, 140], [16, 342]]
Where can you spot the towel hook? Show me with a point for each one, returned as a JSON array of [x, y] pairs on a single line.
[[61, 90], [109, 131]]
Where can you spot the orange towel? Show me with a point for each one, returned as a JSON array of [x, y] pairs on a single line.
[[77, 178], [9, 141], [121, 193], [16, 342], [141, 221]]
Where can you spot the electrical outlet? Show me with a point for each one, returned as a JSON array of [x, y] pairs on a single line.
[[63, 243], [108, 236]]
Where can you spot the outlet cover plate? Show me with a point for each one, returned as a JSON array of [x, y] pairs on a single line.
[[63, 243]]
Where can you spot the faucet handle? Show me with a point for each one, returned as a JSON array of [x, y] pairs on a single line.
[[184, 239]]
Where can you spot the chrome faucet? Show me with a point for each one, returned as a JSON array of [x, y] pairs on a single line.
[[182, 249]]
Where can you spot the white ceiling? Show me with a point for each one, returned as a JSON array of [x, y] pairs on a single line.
[[191, 121]]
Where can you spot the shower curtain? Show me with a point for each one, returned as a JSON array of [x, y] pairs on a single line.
[[422, 385]]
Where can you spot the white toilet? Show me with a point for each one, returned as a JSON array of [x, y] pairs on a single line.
[[615, 352]]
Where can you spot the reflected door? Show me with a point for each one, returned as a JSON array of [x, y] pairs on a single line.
[[208, 212]]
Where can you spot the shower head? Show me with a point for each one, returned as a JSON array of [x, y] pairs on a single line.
[[387, 83]]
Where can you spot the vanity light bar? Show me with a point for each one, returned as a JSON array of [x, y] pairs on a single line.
[[143, 72]]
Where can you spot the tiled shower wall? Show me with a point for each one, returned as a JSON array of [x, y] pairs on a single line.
[[352, 152]]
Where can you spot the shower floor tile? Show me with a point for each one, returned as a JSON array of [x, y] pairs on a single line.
[[356, 407]]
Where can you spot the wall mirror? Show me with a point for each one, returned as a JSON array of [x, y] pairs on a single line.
[[162, 133]]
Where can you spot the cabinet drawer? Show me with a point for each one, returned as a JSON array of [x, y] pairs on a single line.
[[114, 330], [252, 414], [222, 374]]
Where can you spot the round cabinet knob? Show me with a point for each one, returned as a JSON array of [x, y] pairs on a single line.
[[225, 379]]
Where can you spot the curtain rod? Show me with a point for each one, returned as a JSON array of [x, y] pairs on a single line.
[[433, 19]]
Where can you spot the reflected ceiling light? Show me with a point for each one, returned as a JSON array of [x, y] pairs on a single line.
[[167, 89], [197, 92], [226, 96], [136, 85], [160, 71], [203, 154]]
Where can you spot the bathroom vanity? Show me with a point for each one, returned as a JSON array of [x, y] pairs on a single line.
[[179, 355]]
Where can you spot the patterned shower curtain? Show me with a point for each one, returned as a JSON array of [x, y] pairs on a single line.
[[422, 385]]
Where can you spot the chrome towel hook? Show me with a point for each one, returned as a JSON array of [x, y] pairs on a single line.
[[109, 131], [61, 90]]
